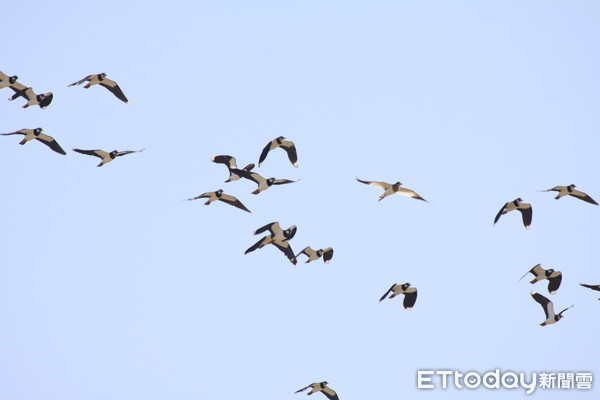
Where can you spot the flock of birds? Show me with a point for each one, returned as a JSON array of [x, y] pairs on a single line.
[[277, 236]]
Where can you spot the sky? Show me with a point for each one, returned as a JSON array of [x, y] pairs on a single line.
[[114, 287]]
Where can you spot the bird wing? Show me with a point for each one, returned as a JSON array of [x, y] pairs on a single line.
[[536, 271], [327, 255], [46, 99], [290, 149], [527, 214], [304, 388], [545, 303], [554, 283], [257, 244], [253, 176], [410, 193], [380, 185], [18, 87], [114, 89], [307, 251], [87, 78], [593, 287], [330, 393], [286, 249], [122, 153], [203, 195], [249, 167], [410, 298], [13, 133], [50, 142], [583, 196], [388, 292], [227, 160], [554, 189], [233, 201], [265, 151], [282, 181], [273, 227], [96, 153], [500, 213]]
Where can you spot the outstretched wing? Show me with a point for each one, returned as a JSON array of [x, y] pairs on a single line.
[[273, 227], [282, 181], [13, 133], [410, 298], [536, 271], [330, 393], [410, 193], [554, 283], [229, 161], [583, 196], [290, 149], [233, 201], [527, 214], [122, 153], [265, 151], [87, 78], [554, 189], [380, 185], [593, 287], [500, 213], [327, 255], [253, 176], [304, 388], [50, 142], [257, 244], [388, 292], [96, 153], [203, 195], [544, 302], [114, 89], [286, 249]]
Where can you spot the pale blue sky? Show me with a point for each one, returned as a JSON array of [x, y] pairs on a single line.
[[112, 287]]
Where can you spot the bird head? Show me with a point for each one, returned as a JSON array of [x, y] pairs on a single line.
[[405, 286], [549, 272], [572, 186], [37, 131]]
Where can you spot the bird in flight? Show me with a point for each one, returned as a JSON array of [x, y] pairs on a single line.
[[37, 133], [593, 287], [289, 147], [219, 195], [571, 191], [33, 99], [278, 238], [231, 165], [548, 307], [313, 255], [554, 277], [102, 80], [320, 387], [409, 292], [263, 184], [517, 204], [389, 189], [106, 156]]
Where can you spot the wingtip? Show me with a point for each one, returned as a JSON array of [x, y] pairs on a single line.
[[532, 292]]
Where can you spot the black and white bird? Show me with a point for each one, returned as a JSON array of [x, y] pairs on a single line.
[[106, 156], [570, 191], [548, 307], [517, 204], [37, 133], [6, 81], [409, 292], [231, 165], [320, 387], [102, 80], [313, 255], [33, 99], [554, 277], [263, 184], [593, 287], [288, 146], [389, 189], [219, 195], [278, 238]]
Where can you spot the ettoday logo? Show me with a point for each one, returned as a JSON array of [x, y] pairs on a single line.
[[430, 379]]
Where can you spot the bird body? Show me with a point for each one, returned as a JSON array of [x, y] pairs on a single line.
[[263, 184], [548, 307], [219, 195], [320, 387], [571, 191], [106, 156], [539, 273], [517, 204], [37, 133], [389, 189], [409, 292], [289, 147], [102, 80]]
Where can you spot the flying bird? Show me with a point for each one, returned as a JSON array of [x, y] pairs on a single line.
[[554, 277], [548, 307], [6, 81], [289, 148], [102, 80], [219, 195], [278, 238], [593, 287], [320, 387], [389, 189], [231, 165], [37, 133], [105, 156], [409, 292], [263, 184], [33, 99], [315, 255], [517, 204], [570, 191]]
